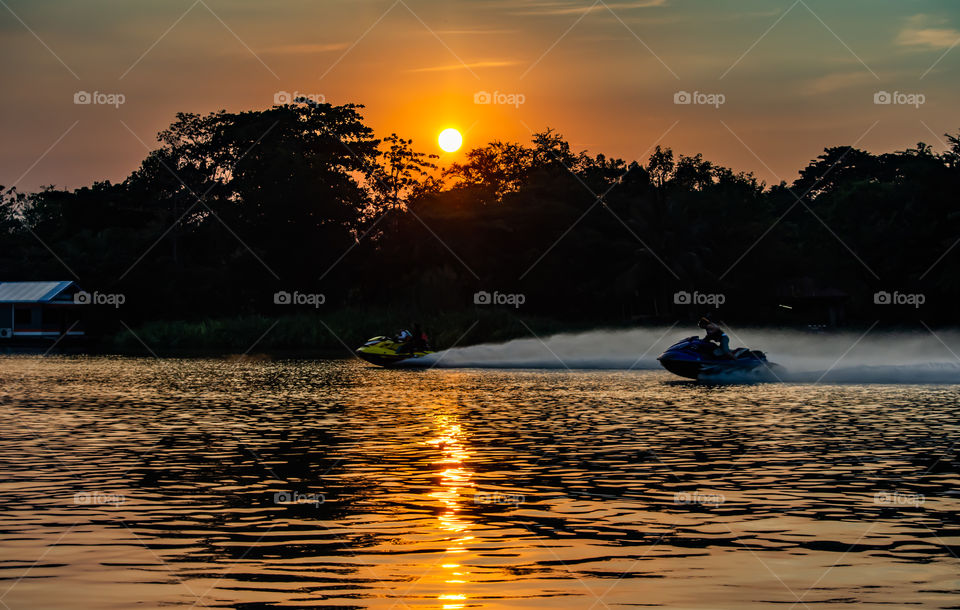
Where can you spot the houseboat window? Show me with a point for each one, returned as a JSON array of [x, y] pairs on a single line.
[[51, 317], [22, 316]]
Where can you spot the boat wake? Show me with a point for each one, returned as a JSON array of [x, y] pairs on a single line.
[[877, 357]]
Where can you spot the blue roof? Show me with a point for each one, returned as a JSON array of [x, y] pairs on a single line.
[[31, 292]]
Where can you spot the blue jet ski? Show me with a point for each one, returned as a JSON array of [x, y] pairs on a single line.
[[694, 357]]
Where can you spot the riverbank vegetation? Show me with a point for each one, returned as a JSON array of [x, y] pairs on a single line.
[[300, 212], [312, 334]]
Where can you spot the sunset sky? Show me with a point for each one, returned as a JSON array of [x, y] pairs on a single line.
[[793, 76]]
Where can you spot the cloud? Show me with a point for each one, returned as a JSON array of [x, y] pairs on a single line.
[[561, 8], [473, 32], [305, 49], [471, 66], [837, 81], [920, 33]]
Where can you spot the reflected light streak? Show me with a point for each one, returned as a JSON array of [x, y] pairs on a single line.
[[452, 480]]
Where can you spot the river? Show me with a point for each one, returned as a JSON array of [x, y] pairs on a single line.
[[248, 483]]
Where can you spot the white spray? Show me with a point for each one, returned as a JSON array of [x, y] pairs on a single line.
[[848, 357]]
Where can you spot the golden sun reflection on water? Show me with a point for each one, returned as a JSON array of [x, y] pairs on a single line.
[[455, 484]]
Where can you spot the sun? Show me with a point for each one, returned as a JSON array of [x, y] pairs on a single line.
[[450, 140]]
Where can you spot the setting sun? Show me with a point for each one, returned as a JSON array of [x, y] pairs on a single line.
[[450, 140]]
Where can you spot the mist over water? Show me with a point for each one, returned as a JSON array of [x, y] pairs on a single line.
[[847, 357]]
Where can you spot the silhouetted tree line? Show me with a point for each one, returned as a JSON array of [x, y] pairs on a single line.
[[233, 207]]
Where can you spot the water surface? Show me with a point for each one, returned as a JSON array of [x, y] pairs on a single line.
[[211, 483]]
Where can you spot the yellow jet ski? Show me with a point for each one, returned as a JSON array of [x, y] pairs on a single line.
[[387, 351]]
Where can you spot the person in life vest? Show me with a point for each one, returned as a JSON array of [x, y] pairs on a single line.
[[716, 335], [415, 341], [420, 342]]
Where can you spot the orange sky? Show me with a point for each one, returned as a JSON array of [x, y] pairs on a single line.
[[794, 75]]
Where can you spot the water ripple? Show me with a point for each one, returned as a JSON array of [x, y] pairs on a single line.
[[332, 484]]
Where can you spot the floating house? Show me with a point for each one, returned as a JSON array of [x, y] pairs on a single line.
[[814, 302], [39, 310]]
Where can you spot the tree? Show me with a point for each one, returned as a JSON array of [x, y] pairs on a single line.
[[403, 174], [660, 166]]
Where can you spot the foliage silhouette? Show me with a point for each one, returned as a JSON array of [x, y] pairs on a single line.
[[232, 207]]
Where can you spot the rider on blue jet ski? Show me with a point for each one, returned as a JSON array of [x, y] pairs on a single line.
[[716, 335]]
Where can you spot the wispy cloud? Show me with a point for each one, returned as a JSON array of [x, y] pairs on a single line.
[[471, 66], [838, 81], [566, 8], [306, 49], [920, 32], [469, 32]]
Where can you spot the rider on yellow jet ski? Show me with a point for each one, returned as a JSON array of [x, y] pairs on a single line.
[[415, 341]]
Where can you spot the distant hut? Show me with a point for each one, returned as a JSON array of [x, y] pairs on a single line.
[[816, 303], [39, 310]]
